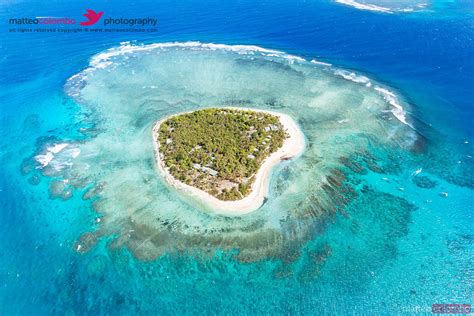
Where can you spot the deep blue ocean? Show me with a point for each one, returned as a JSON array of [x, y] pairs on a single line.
[[402, 262]]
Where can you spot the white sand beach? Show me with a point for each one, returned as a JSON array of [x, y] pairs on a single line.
[[292, 147]]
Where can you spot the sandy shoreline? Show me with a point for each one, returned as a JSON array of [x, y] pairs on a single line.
[[292, 147]]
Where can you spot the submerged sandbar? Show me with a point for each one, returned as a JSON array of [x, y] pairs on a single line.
[[222, 157]]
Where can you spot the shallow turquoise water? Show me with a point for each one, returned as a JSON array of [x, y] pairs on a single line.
[[380, 239]]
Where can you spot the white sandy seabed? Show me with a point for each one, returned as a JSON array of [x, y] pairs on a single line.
[[292, 147]]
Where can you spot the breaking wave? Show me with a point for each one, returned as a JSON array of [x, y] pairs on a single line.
[[386, 6]]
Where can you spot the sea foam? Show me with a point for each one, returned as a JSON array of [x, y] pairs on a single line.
[[398, 6], [57, 156], [397, 110], [45, 158], [362, 6]]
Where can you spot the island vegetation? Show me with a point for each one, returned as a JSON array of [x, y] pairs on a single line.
[[219, 150]]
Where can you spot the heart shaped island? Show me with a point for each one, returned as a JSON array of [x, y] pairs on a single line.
[[222, 158]]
